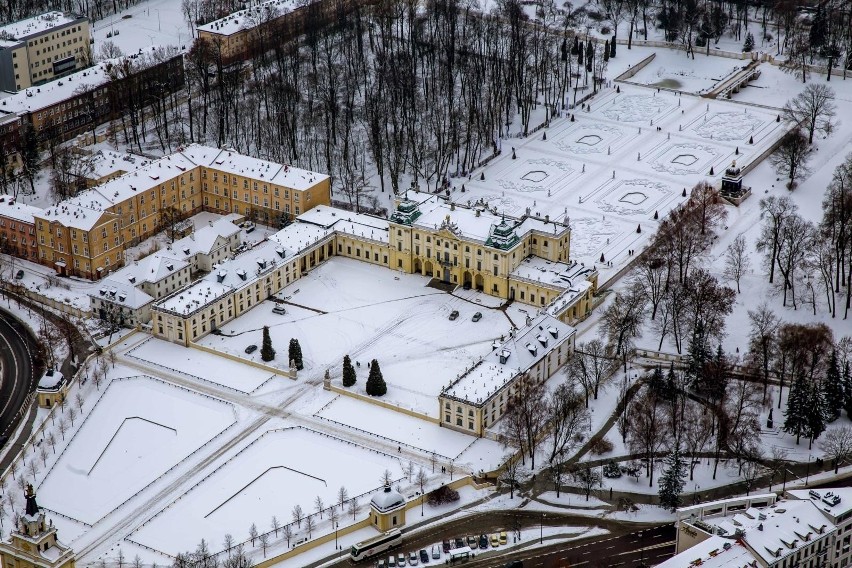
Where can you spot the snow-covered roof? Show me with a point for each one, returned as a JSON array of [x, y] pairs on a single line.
[[43, 96], [774, 532], [23, 29], [248, 18], [152, 268], [74, 213], [835, 502], [343, 221], [296, 237], [714, 552], [478, 223], [12, 209], [232, 162], [553, 274], [106, 163], [194, 297], [51, 380], [117, 289], [387, 500], [203, 240], [517, 354]]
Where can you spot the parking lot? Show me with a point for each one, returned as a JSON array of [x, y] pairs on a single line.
[[452, 551]]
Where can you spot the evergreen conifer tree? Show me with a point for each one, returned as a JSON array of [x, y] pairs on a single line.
[[606, 51], [672, 480], [670, 385], [657, 382], [612, 49], [749, 43], [816, 412], [847, 391], [833, 389], [349, 376], [267, 353], [698, 353], [375, 382], [796, 419], [294, 353]]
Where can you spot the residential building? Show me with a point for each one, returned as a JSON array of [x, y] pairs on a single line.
[[10, 132], [17, 228], [43, 48], [239, 35], [208, 245], [84, 100], [808, 528], [480, 395]]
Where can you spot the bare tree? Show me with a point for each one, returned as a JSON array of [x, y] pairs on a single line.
[[253, 533], [737, 261], [71, 415], [353, 507], [387, 478], [697, 430], [708, 206], [622, 320], [298, 515], [342, 496], [63, 427], [588, 478], [526, 409], [264, 542], [512, 473], [774, 211], [409, 470], [813, 109], [751, 471], [791, 157], [645, 433], [837, 445], [275, 525], [33, 468], [43, 453], [51, 441], [78, 399], [319, 505], [309, 525], [567, 418], [591, 366], [288, 533], [762, 341], [228, 543], [776, 463]]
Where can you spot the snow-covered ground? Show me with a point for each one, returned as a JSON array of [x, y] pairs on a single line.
[[347, 307]]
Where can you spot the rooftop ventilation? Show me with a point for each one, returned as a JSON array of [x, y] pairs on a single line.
[[553, 331], [504, 356], [542, 339], [241, 273], [220, 276], [532, 348]]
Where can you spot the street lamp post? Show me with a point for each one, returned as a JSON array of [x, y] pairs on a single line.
[[336, 526], [808, 471], [541, 529]]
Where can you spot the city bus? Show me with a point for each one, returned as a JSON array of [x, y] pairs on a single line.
[[460, 555], [376, 545]]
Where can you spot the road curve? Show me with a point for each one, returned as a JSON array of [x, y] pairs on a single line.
[[19, 371]]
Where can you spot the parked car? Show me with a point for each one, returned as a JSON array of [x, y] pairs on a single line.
[[483, 541], [279, 309], [424, 556], [392, 562], [446, 546], [503, 538], [476, 317], [248, 226], [472, 542], [413, 559], [495, 540], [251, 349], [436, 551], [381, 563], [400, 559], [19, 274], [459, 543], [454, 315], [514, 564]]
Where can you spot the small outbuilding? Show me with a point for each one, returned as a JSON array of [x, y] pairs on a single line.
[[51, 388], [387, 510]]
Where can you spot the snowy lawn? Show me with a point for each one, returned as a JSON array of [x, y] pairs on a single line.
[[673, 70], [279, 470], [139, 429], [201, 365], [407, 430], [349, 307]]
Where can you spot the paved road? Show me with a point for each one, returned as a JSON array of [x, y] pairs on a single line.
[[19, 374]]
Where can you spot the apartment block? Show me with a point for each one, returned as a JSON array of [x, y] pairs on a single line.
[[43, 48]]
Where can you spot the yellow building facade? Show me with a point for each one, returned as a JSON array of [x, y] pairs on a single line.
[[86, 235]]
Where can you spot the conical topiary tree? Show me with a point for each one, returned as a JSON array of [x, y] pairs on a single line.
[[375, 382], [349, 376], [294, 353], [267, 353]]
